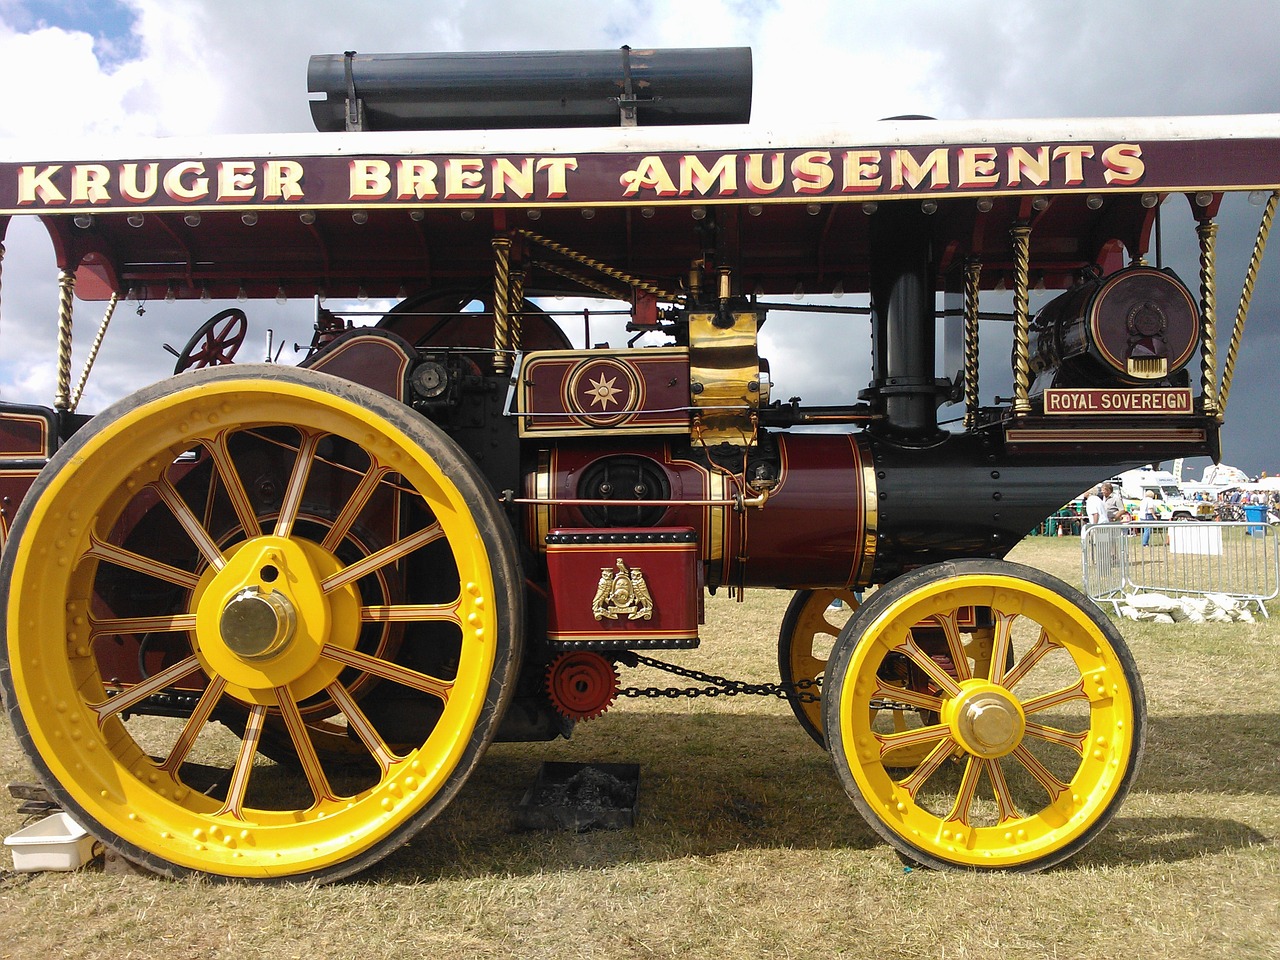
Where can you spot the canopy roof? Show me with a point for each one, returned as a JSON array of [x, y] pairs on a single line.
[[394, 213]]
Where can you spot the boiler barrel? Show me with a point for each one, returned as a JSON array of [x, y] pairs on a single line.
[[567, 88]]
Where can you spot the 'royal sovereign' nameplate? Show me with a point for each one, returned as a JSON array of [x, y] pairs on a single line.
[[1166, 400]]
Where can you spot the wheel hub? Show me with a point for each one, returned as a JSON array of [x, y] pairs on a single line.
[[988, 721], [264, 618]]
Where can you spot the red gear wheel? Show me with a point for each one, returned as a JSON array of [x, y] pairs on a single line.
[[582, 685]]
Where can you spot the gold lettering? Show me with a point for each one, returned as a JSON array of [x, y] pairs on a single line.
[[282, 180], [507, 174], [1123, 163], [463, 177], [904, 170], [1034, 167], [416, 179], [756, 181], [862, 171], [695, 176], [370, 179], [557, 174], [129, 187], [978, 167], [649, 174], [811, 172], [32, 185], [235, 180], [177, 189], [89, 183], [1073, 158]]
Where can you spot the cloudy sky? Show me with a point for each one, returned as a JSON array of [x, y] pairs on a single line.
[[193, 67]]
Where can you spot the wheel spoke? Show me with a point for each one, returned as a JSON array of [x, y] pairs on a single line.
[[1056, 698], [1000, 646], [411, 612], [1004, 797], [964, 796], [912, 652], [297, 483], [1052, 785], [955, 643], [234, 804], [190, 523], [929, 766], [306, 750], [140, 691], [890, 742], [906, 695], [389, 671], [239, 497], [100, 550], [381, 558], [123, 625], [195, 723], [1064, 738], [365, 730], [355, 504], [1043, 646]]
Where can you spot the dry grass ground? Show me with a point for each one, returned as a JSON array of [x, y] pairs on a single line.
[[746, 845]]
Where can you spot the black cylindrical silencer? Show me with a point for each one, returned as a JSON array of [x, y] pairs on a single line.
[[563, 88]]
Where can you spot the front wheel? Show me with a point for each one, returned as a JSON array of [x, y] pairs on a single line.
[[1015, 764], [287, 552]]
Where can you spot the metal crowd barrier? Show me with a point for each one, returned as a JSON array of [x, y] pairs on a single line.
[[1183, 558]]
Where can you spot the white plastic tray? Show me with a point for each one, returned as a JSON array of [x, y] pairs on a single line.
[[55, 843]]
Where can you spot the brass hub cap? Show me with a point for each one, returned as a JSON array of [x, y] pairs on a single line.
[[257, 625], [988, 722]]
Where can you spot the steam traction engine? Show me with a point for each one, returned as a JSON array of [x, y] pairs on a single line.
[[452, 525]]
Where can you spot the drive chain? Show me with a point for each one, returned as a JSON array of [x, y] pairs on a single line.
[[802, 690]]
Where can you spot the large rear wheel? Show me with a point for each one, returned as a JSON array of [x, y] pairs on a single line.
[[809, 629], [1013, 764], [288, 552]]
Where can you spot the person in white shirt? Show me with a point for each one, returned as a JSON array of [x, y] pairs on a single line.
[[1094, 510], [1147, 514]]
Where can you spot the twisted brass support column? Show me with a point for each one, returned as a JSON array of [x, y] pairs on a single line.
[[1246, 296], [1207, 231], [1021, 237], [972, 275], [1, 260], [93, 349], [516, 301], [501, 305], [66, 287]]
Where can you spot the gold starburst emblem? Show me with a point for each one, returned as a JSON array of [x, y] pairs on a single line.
[[603, 392]]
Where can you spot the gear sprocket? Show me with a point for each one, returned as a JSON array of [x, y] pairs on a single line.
[[582, 684]]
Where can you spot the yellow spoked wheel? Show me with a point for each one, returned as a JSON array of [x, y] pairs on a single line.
[[809, 629], [207, 527], [1020, 763]]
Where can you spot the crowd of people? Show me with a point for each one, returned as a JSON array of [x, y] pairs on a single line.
[[1104, 504]]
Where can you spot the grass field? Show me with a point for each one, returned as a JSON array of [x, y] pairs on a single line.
[[746, 845]]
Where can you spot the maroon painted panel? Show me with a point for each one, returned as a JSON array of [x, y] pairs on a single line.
[[587, 391], [624, 587]]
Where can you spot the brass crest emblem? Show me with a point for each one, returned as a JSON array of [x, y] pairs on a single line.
[[622, 592]]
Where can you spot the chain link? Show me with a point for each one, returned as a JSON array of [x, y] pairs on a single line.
[[719, 686]]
